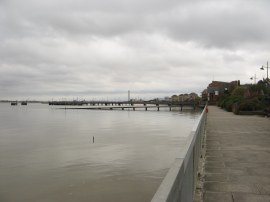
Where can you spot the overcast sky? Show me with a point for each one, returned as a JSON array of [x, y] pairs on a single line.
[[100, 49]]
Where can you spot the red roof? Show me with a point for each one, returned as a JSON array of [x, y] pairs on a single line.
[[217, 83]]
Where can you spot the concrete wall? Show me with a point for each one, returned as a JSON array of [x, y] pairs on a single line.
[[179, 183]]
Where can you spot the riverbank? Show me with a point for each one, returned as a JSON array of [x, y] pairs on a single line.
[[237, 158]]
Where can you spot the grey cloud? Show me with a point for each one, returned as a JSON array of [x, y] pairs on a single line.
[[209, 22], [221, 24], [85, 47], [233, 57]]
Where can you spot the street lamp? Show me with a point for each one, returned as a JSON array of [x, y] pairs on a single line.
[[262, 68]]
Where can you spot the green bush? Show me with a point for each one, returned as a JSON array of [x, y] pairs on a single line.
[[250, 104], [229, 101], [239, 91], [259, 98], [222, 100]]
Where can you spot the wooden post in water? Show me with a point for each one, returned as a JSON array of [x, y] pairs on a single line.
[[170, 106]]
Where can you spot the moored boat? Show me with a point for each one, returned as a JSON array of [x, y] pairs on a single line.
[[14, 103], [23, 103]]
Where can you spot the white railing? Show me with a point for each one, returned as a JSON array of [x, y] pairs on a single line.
[[180, 182]]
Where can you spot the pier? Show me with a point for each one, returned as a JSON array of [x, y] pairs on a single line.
[[237, 161], [111, 105]]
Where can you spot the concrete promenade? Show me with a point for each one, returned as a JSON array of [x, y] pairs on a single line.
[[237, 158]]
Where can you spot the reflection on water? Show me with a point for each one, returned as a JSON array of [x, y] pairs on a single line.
[[48, 155]]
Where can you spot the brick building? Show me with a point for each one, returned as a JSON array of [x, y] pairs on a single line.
[[216, 89]]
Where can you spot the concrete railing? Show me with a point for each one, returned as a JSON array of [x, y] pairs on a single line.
[[180, 182]]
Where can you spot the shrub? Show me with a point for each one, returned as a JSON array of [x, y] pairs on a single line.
[[229, 101], [239, 91], [222, 100], [259, 98], [250, 105]]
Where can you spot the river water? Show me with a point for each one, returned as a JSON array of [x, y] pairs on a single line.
[[48, 154]]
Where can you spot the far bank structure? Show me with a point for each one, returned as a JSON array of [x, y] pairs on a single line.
[[211, 95]]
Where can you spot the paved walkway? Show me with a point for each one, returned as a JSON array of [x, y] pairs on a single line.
[[237, 165]]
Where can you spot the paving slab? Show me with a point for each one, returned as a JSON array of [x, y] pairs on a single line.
[[231, 187], [240, 197], [237, 158], [217, 197], [232, 171], [216, 177]]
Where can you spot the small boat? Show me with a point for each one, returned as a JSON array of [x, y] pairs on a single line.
[[23, 103], [14, 103]]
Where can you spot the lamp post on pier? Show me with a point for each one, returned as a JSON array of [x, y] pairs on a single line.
[[262, 68]]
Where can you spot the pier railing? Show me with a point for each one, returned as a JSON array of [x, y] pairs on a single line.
[[121, 103], [180, 182]]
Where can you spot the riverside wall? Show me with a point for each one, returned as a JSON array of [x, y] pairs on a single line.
[[180, 182]]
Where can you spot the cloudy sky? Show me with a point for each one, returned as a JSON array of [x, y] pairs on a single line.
[[100, 49]]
